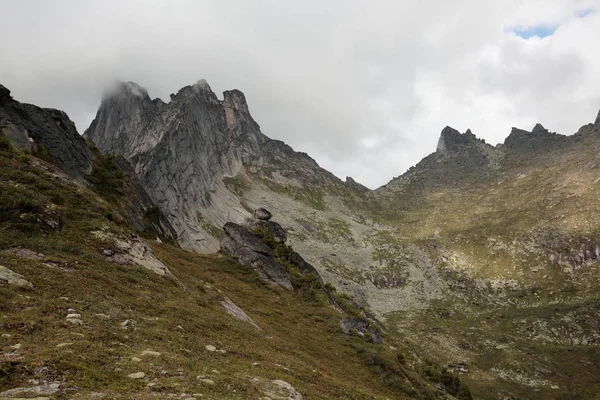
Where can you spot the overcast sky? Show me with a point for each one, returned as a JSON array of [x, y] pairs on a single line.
[[364, 87]]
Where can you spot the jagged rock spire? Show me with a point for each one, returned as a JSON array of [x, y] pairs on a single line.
[[181, 150], [598, 118], [451, 139]]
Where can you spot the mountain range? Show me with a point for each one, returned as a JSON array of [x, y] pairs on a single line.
[[479, 265]]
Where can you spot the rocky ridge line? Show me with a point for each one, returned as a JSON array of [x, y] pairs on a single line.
[[47, 132]]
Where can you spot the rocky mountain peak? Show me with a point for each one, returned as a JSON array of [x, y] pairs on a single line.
[[236, 100], [451, 139], [125, 91], [203, 85], [539, 129], [352, 183], [522, 140], [598, 118], [198, 93], [181, 150]]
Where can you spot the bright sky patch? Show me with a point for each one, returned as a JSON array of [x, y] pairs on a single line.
[[540, 31]]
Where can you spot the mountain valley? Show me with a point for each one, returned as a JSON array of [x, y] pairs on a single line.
[[475, 274]]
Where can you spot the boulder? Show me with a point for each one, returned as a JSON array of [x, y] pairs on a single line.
[[25, 253], [44, 390], [14, 279], [278, 389], [232, 309], [262, 214], [249, 249], [246, 240], [269, 227]]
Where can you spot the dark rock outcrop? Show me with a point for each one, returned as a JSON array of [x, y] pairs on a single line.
[[304, 266], [538, 139], [47, 132], [249, 249], [265, 250], [270, 228], [451, 139], [4, 94], [598, 119], [246, 239]]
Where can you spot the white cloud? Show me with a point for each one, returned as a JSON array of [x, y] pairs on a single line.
[[364, 87]]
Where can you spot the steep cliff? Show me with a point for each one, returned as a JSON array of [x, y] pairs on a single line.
[[185, 149], [47, 132]]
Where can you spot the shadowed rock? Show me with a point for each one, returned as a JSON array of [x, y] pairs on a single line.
[[246, 240], [270, 228], [249, 249], [451, 139], [47, 131]]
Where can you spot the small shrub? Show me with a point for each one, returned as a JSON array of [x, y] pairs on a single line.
[[6, 145]]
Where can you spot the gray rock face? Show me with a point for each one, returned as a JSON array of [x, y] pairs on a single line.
[[249, 249], [181, 152], [143, 211], [598, 119], [29, 127]]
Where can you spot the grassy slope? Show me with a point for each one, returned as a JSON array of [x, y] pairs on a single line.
[[300, 341], [536, 331]]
